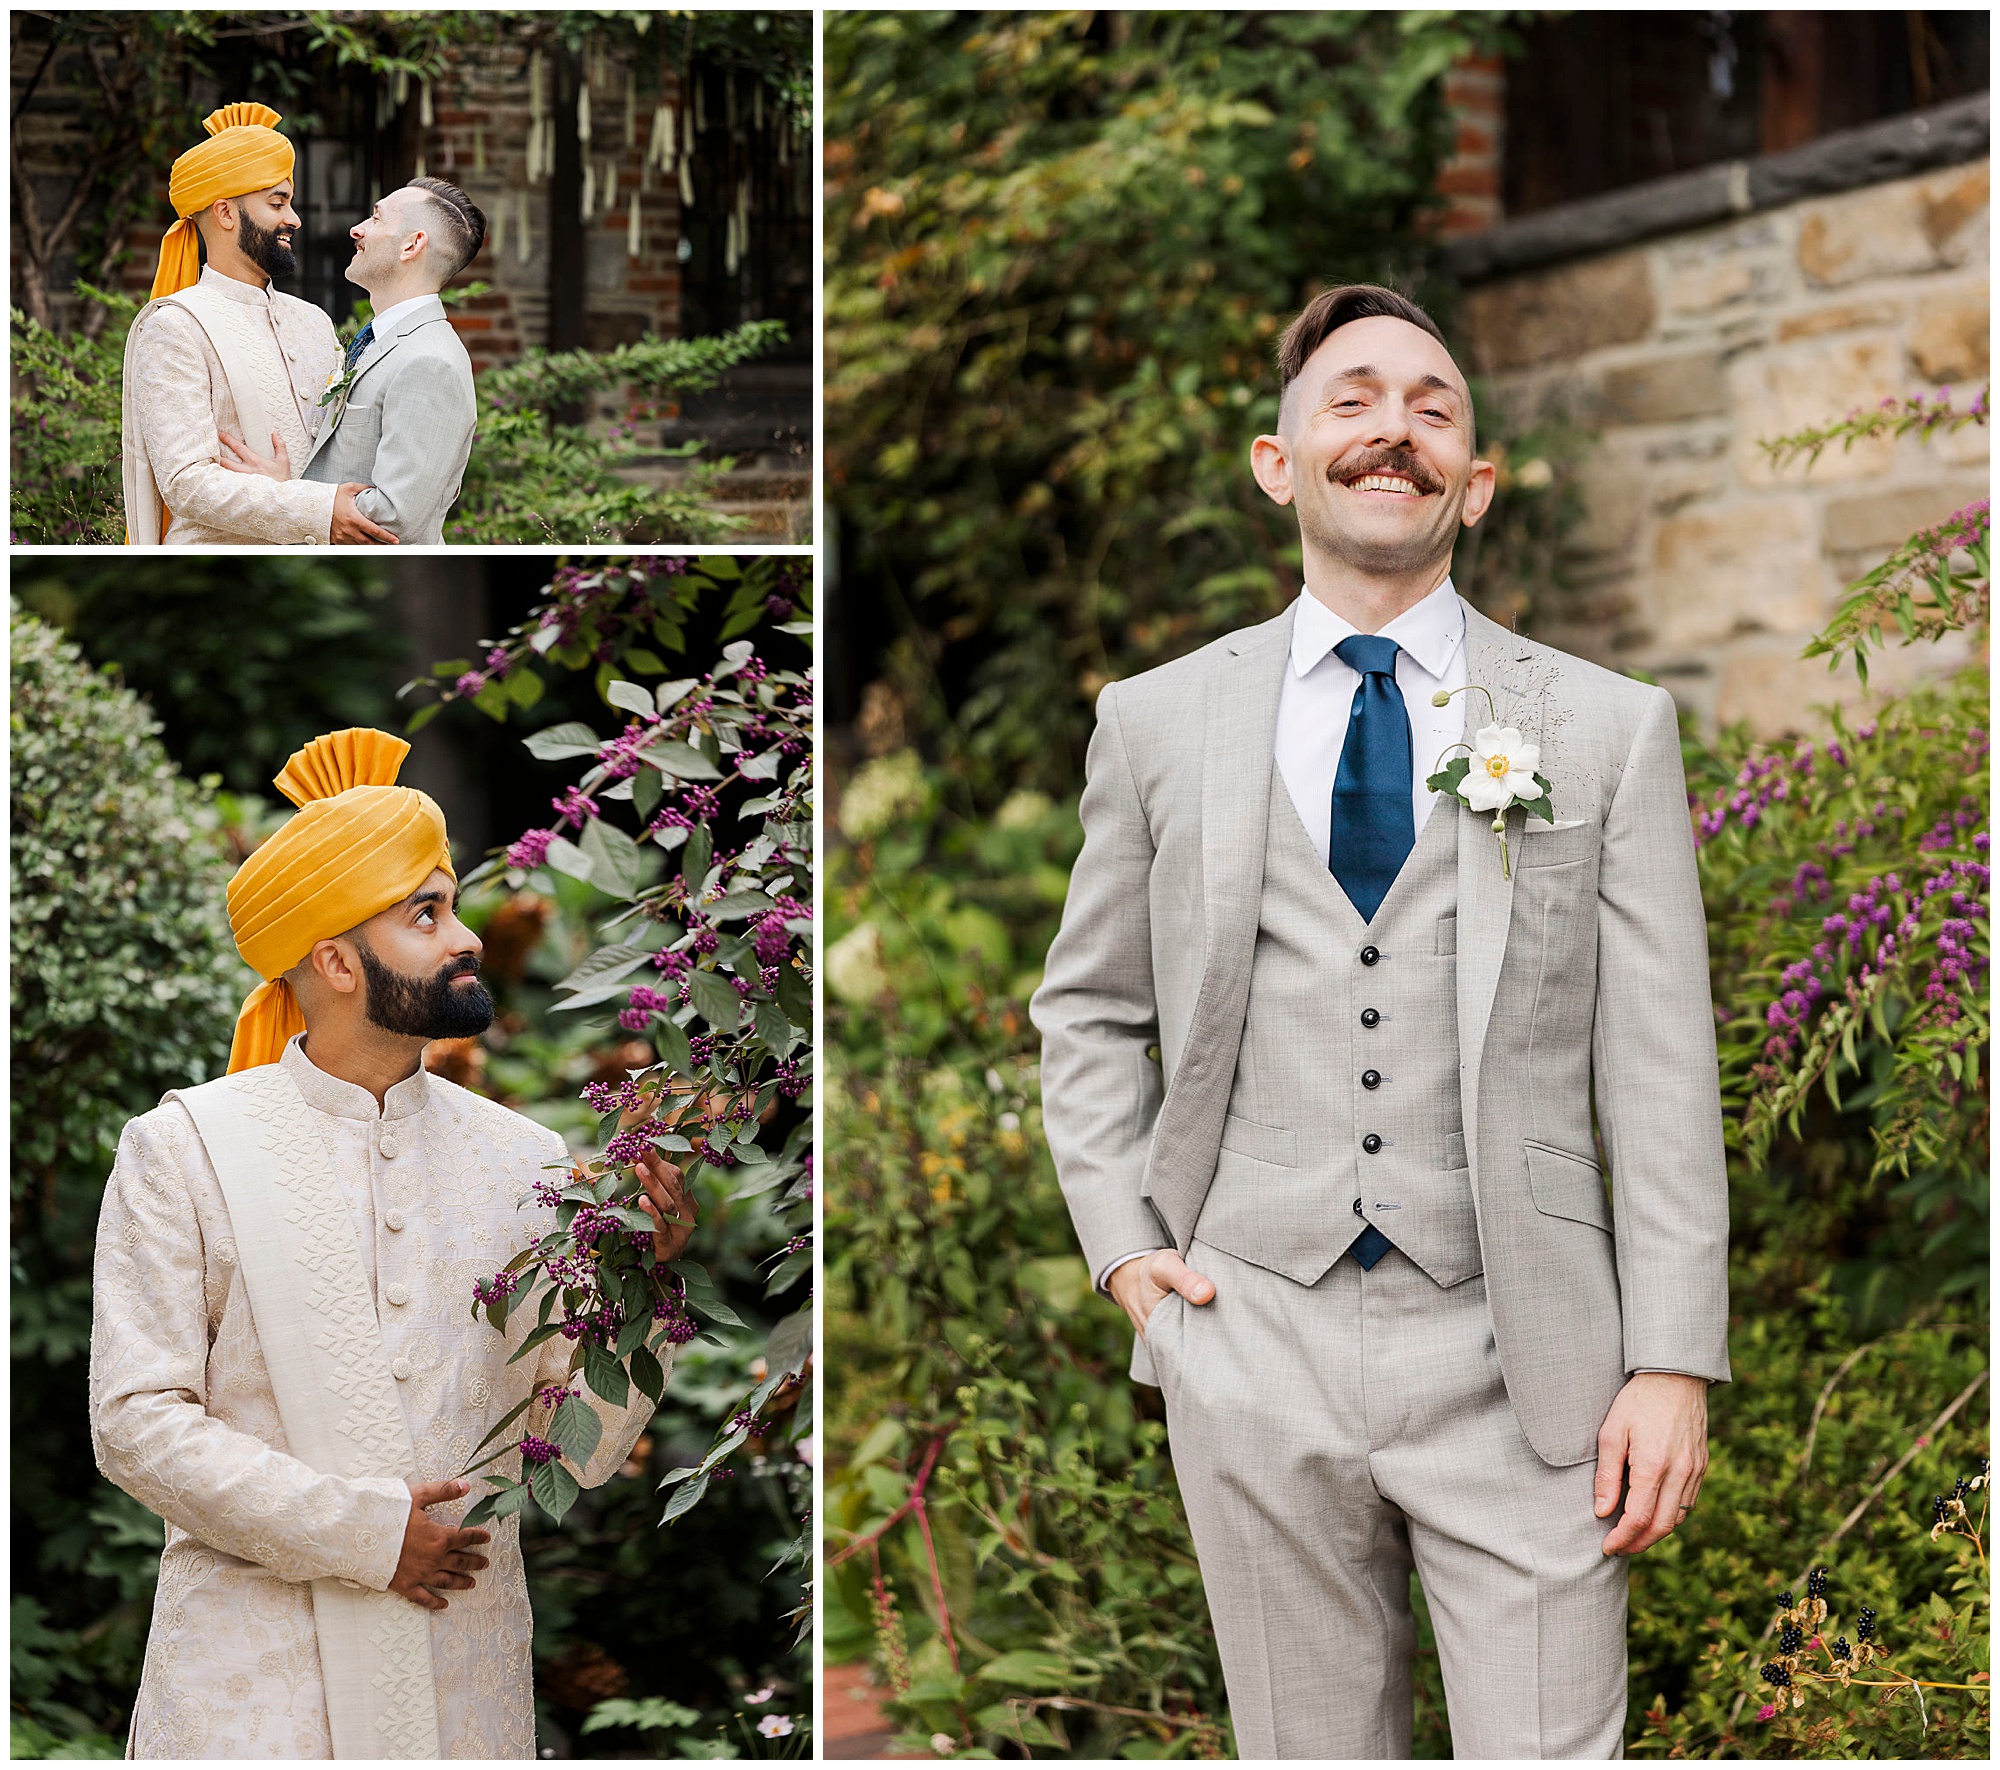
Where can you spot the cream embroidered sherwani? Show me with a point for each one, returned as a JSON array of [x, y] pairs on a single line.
[[179, 394], [185, 1419]]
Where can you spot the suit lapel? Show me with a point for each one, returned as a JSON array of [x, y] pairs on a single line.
[[1239, 723], [1485, 899], [378, 350]]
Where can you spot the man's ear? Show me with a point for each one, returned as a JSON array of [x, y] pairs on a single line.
[[334, 965], [1479, 492], [1271, 465]]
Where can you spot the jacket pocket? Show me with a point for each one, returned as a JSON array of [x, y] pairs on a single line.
[[1261, 1143], [1565, 1185], [1544, 847]]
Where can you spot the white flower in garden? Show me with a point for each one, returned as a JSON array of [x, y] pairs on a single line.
[[943, 1744], [888, 791], [854, 969], [1503, 769], [760, 1697], [775, 1726]]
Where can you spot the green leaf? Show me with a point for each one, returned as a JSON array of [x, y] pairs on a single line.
[[606, 965], [795, 996], [715, 1000], [555, 1489], [679, 761], [633, 1334], [535, 1337], [646, 1372], [629, 697], [524, 688], [616, 864], [492, 700], [513, 1414], [577, 1429], [775, 1029], [790, 1344], [1027, 1668], [694, 863], [647, 792], [422, 717], [606, 1375], [566, 857], [669, 695], [671, 1041], [647, 664], [556, 743], [685, 1498]]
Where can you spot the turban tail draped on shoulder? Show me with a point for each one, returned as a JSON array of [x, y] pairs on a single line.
[[244, 153], [358, 844]]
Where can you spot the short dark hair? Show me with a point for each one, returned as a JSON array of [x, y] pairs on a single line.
[[462, 229], [1331, 309]]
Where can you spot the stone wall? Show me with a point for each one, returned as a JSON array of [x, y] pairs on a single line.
[[1697, 562]]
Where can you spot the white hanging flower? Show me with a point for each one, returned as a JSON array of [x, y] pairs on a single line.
[[1503, 769], [1499, 770]]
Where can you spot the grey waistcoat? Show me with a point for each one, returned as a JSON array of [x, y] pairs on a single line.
[[1294, 1161]]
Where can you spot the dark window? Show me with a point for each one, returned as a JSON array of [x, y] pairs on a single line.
[[1598, 101]]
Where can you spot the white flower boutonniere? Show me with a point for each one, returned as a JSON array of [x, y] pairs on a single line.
[[333, 397], [1498, 770]]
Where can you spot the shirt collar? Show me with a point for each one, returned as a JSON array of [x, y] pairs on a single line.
[[1431, 632], [349, 1100], [404, 315], [247, 293]]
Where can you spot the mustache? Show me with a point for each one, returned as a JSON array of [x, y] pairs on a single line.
[[1394, 459], [459, 968]]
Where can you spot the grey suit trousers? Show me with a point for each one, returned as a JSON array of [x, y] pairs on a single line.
[[1329, 1437]]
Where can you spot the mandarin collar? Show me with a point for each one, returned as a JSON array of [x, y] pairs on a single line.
[[247, 293], [1431, 632], [349, 1100]]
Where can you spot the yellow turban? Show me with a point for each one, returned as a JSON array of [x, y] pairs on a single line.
[[243, 153], [359, 844]]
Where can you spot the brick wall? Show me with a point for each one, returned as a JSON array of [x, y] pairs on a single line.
[[1475, 96], [1697, 561]]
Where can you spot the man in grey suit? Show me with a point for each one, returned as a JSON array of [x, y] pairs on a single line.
[[1332, 1086], [399, 413]]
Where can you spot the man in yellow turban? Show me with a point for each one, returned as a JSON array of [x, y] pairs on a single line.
[[219, 349], [285, 1362]]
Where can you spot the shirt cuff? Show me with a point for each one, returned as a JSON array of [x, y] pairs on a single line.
[[1111, 1266]]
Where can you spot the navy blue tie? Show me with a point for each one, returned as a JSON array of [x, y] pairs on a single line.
[[1374, 827], [362, 340]]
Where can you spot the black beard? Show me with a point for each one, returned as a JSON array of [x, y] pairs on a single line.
[[264, 249], [425, 1009]]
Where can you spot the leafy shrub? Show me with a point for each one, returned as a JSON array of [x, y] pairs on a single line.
[[243, 658], [125, 983], [1060, 248]]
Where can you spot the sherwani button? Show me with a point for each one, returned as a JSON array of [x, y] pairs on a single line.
[[1371, 1078], [1369, 955], [399, 1368], [398, 1294], [388, 1144], [393, 1219], [1371, 1143], [1371, 1017]]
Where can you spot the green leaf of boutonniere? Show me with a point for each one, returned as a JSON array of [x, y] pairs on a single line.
[[1451, 776], [1544, 807]]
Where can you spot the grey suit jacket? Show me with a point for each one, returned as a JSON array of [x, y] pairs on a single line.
[[1582, 978], [406, 429]]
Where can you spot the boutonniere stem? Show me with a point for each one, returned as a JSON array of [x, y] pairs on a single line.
[[1497, 770]]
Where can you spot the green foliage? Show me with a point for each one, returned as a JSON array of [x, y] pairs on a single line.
[[241, 659], [530, 477], [1061, 246], [125, 983], [710, 898], [66, 485]]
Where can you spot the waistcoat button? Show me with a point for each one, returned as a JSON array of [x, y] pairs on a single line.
[[393, 1219], [1371, 1143], [398, 1294], [1371, 1078], [1371, 1017], [1369, 955], [399, 1368]]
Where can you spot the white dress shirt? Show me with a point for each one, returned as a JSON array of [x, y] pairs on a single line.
[[1318, 695], [392, 320]]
